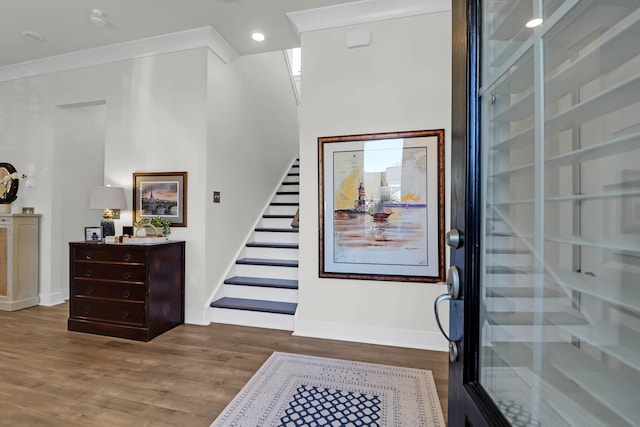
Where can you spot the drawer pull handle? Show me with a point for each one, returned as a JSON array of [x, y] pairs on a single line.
[[127, 275], [89, 255], [89, 291], [126, 293], [127, 257], [125, 314], [87, 311], [89, 273]]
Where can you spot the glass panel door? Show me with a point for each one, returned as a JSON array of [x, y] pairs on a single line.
[[560, 281]]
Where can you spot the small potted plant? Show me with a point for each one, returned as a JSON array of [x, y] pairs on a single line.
[[161, 226]]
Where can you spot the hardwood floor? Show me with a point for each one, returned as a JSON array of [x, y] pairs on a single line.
[[185, 377]]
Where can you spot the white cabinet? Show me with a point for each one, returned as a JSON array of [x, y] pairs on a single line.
[[18, 261]]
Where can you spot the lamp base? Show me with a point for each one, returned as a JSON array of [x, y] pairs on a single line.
[[108, 227]]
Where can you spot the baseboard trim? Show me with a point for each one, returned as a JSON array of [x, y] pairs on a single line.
[[54, 298], [197, 317], [371, 335]]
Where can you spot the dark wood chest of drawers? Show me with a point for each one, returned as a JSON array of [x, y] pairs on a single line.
[[126, 291]]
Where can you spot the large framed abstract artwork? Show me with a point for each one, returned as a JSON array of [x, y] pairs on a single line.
[[162, 194], [381, 206]]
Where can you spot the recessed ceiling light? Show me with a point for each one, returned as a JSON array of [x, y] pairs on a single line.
[[535, 22], [32, 35], [257, 37]]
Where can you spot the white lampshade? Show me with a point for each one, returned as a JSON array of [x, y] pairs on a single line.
[[107, 198]]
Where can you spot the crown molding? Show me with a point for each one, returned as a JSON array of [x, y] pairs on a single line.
[[362, 12], [166, 43]]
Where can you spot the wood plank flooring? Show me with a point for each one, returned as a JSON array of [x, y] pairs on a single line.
[[52, 377]]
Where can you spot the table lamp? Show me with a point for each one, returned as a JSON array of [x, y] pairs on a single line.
[[109, 199]]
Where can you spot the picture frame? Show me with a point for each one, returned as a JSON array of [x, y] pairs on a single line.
[[381, 206], [169, 200], [93, 234]]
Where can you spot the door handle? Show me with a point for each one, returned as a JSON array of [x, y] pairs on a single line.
[[453, 293], [443, 297]]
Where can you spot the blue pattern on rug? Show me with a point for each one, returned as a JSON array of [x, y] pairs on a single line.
[[317, 406], [517, 415]]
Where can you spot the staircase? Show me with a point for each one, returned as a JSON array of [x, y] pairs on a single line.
[[516, 308], [262, 288]]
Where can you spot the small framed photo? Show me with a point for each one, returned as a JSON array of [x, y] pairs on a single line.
[[93, 234]]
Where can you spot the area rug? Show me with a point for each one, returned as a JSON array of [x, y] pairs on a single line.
[[297, 390]]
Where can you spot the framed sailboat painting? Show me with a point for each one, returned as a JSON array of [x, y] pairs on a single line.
[[381, 206]]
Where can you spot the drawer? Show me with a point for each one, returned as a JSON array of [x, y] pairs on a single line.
[[108, 253], [128, 313], [120, 291], [117, 272]]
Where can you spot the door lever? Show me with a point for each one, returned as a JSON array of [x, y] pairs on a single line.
[[453, 293]]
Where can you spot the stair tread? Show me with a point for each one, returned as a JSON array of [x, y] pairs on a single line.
[[508, 251], [272, 245], [287, 193], [269, 262], [528, 318], [262, 282], [284, 204], [256, 305], [278, 230], [278, 216], [501, 269], [291, 183], [293, 174], [521, 292]]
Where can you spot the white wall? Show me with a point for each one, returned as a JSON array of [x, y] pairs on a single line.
[[402, 81], [78, 129], [154, 119], [183, 111]]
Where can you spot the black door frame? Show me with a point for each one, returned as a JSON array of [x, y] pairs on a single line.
[[469, 403]]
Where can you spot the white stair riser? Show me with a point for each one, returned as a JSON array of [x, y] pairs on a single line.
[[286, 198], [289, 187], [270, 253], [506, 242], [276, 222], [516, 280], [282, 210], [261, 293], [527, 304], [267, 271], [518, 333], [275, 237], [292, 178], [252, 318], [509, 259]]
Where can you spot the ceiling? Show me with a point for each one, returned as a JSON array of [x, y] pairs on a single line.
[[64, 25]]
